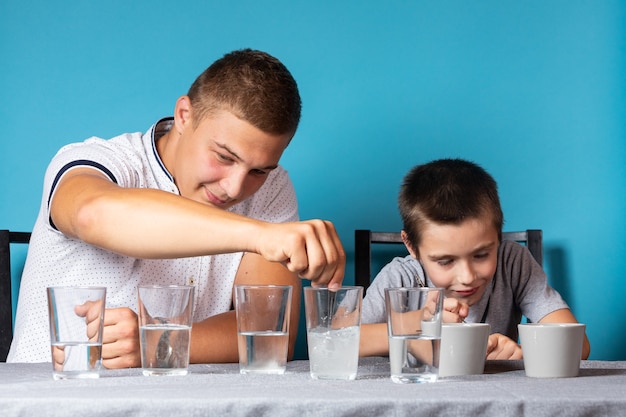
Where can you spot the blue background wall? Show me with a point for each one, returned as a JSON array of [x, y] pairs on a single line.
[[534, 91]]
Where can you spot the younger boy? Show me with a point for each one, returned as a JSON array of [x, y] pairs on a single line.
[[452, 228]]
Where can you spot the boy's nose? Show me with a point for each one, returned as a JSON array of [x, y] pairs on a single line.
[[466, 275], [233, 184]]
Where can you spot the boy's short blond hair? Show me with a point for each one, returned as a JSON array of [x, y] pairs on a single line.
[[254, 86]]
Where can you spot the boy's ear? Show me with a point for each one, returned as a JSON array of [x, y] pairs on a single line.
[[182, 113], [409, 246]]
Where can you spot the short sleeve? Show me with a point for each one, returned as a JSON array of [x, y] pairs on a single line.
[[400, 272]]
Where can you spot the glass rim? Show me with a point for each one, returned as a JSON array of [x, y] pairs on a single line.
[[274, 286], [345, 287], [465, 324], [169, 287], [407, 289], [75, 287]]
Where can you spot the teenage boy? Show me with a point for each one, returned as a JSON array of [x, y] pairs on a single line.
[[199, 199]]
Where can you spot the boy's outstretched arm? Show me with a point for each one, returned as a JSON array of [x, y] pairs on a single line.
[[133, 222]]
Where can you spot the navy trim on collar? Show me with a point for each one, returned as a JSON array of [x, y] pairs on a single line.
[[154, 149]]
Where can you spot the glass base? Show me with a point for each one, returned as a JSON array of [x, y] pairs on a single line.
[[267, 371], [75, 375], [164, 371], [414, 378], [334, 377]]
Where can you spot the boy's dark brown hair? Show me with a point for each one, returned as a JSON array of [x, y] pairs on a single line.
[[254, 86], [447, 191]]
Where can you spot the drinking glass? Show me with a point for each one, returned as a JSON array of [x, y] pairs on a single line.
[[414, 325], [76, 321], [333, 322], [263, 313], [165, 319]]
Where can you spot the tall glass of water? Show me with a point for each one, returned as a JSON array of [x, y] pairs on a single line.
[[414, 323]]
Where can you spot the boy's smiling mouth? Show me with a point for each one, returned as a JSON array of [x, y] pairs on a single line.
[[466, 293]]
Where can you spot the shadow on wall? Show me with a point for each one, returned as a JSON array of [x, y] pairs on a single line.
[[558, 276]]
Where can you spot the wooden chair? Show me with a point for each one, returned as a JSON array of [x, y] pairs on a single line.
[[363, 240], [6, 307]]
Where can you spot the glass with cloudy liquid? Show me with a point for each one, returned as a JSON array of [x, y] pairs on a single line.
[[333, 322]]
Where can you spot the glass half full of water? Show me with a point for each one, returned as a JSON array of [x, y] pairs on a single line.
[[333, 321], [414, 325], [165, 318], [263, 313], [76, 321]]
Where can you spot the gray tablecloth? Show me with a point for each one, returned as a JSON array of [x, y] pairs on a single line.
[[504, 390]]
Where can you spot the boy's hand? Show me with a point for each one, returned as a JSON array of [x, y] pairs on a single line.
[[91, 311], [312, 249], [120, 335], [500, 347], [454, 311], [120, 340]]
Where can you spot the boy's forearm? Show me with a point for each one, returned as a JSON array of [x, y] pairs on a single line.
[[214, 340], [374, 340]]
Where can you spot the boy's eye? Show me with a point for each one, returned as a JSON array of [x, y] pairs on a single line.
[[481, 255], [223, 158], [259, 172], [444, 262]]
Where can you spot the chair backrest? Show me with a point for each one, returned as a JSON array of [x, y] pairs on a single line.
[[6, 305], [363, 240]]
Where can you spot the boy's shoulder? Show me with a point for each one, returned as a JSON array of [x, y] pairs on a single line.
[[400, 272], [513, 252], [517, 266]]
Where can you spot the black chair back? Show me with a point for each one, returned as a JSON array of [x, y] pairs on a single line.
[[6, 304]]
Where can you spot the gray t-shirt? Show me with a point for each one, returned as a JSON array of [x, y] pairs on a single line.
[[519, 287]]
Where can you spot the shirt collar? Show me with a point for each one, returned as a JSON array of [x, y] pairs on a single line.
[[159, 129]]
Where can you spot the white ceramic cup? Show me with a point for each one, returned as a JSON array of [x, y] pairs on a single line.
[[463, 348], [552, 350]]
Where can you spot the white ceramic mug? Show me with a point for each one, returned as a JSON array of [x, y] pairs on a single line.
[[551, 350], [463, 348]]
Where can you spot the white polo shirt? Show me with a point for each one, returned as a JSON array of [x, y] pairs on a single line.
[[130, 160]]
